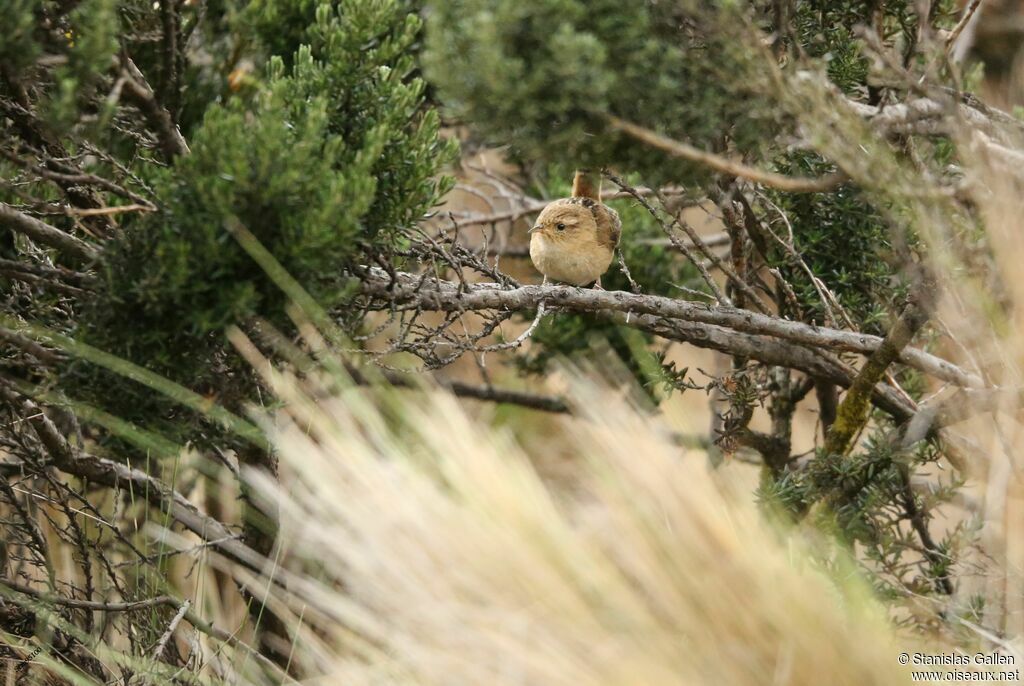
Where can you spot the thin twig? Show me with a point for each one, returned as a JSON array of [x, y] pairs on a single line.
[[680, 245], [162, 643], [789, 184], [521, 338], [962, 24], [94, 211], [191, 617]]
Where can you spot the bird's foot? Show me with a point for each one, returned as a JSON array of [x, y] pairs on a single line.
[[597, 285]]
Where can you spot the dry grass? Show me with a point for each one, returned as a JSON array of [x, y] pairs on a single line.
[[448, 560], [984, 309]]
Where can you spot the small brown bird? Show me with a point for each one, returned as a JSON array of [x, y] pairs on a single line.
[[574, 238]]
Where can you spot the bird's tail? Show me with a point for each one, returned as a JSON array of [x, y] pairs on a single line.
[[587, 184]]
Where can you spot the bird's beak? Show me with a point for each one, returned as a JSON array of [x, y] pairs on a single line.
[[534, 229]]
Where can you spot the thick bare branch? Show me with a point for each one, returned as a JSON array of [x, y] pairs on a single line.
[[770, 351], [920, 115], [42, 232], [75, 278], [26, 344], [443, 295]]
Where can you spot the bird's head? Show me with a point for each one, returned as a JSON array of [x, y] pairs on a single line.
[[565, 220]]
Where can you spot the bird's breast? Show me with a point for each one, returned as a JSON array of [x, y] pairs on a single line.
[[575, 263]]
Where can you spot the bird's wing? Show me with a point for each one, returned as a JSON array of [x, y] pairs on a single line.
[[609, 227]]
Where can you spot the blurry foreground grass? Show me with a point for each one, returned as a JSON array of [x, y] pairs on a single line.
[[422, 547]]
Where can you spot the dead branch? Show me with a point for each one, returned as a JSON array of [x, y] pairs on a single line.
[[45, 234], [769, 351], [408, 291], [68, 459], [171, 141], [182, 606]]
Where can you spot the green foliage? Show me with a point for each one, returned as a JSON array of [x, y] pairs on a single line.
[[845, 242], [826, 30], [541, 74], [279, 27], [182, 269], [829, 31], [91, 36], [81, 45], [865, 499], [331, 158], [19, 48]]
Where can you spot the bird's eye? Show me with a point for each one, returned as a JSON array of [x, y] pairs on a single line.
[[560, 226]]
